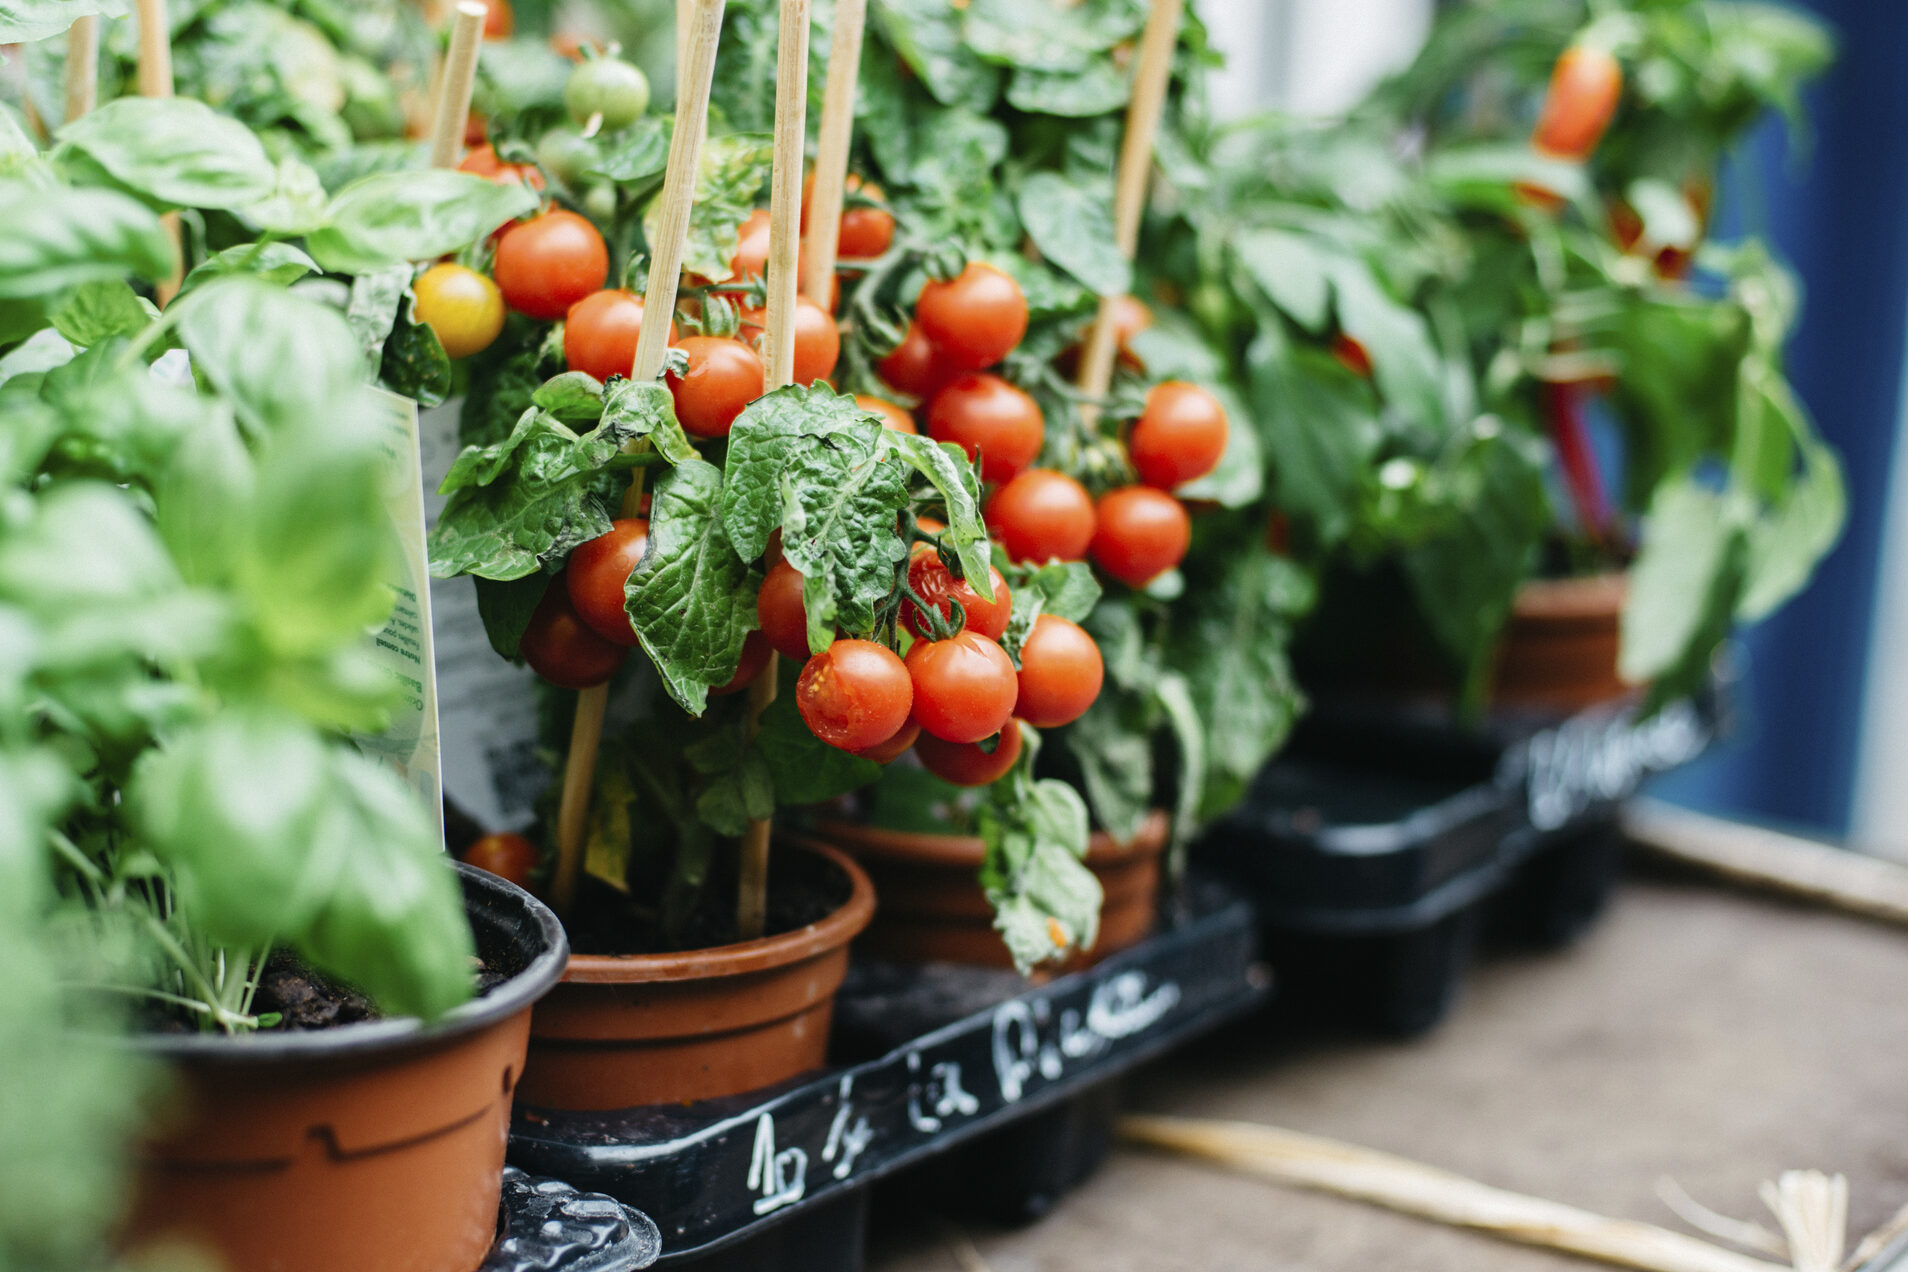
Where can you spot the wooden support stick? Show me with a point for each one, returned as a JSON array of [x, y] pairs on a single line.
[[1395, 1183], [1150, 80], [831, 148], [82, 66], [155, 80], [456, 82], [778, 348], [652, 347]]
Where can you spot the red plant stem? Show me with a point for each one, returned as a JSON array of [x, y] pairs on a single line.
[[1570, 433]]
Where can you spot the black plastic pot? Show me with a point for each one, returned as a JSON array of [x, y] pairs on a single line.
[[544, 1225]]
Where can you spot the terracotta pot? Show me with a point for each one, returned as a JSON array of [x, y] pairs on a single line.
[[627, 1030], [1559, 649], [933, 909], [377, 1147]]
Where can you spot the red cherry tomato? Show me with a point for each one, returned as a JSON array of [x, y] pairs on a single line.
[[865, 232], [499, 21], [985, 414], [892, 414], [778, 608], [483, 162], [964, 687], [563, 649], [1141, 534], [933, 583], [597, 572], [915, 367], [1060, 673], [964, 763], [1042, 516], [755, 656], [599, 335], [1585, 87], [854, 695], [724, 376], [817, 338], [1180, 435], [508, 856], [751, 247], [890, 751], [975, 319], [1351, 354], [550, 262]]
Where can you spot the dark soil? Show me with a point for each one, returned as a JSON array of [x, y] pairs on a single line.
[[304, 999], [803, 889]]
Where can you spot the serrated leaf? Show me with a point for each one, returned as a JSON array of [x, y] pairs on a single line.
[[730, 175], [639, 152], [806, 770], [839, 510], [1072, 225], [644, 408], [948, 470], [771, 433]]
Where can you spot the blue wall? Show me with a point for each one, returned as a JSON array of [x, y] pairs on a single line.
[[1837, 209]]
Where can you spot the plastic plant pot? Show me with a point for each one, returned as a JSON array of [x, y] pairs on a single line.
[[1559, 649]]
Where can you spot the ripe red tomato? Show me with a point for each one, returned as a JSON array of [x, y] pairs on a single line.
[[508, 856], [964, 687], [892, 414], [933, 583], [916, 367], [751, 247], [563, 649], [499, 21], [483, 162], [778, 608], [597, 572], [974, 319], [865, 232], [986, 415], [1352, 355], [724, 376], [550, 262], [1585, 87], [755, 656], [1142, 533], [1180, 435], [1060, 673], [964, 763], [817, 338], [599, 335], [855, 694], [1042, 516], [463, 307], [889, 751]]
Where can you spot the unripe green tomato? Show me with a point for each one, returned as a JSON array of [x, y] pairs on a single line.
[[599, 202], [607, 86], [566, 155]]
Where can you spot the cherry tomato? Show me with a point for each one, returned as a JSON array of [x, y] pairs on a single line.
[[964, 763], [1142, 533], [508, 856], [751, 247], [986, 415], [599, 334], [606, 86], [964, 686], [778, 608], [1352, 355], [499, 21], [1060, 673], [1042, 516], [1130, 317], [724, 376], [550, 262], [933, 583], [597, 572], [1180, 435], [483, 162], [889, 751], [817, 338], [1585, 87], [855, 694], [865, 232], [755, 656], [975, 319], [567, 155], [892, 414], [563, 649], [463, 307], [916, 366]]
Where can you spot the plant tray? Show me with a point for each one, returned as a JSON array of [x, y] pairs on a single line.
[[778, 1179], [548, 1226], [1379, 849]]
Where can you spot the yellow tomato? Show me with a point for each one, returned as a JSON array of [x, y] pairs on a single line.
[[463, 307]]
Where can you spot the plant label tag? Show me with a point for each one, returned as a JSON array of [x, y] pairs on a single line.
[[402, 647]]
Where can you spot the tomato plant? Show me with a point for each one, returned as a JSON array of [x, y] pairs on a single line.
[[724, 375], [855, 694], [778, 609], [563, 649], [1042, 515], [1060, 673], [1140, 533], [967, 763], [991, 420], [507, 855], [463, 308], [933, 583], [600, 332], [597, 572], [607, 90], [975, 318], [964, 686], [1179, 437], [549, 263], [915, 366], [1585, 86]]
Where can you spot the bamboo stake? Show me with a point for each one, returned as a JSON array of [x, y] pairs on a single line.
[[155, 80], [82, 67], [652, 347], [778, 348], [1150, 80], [1395, 1183], [831, 148], [455, 82]]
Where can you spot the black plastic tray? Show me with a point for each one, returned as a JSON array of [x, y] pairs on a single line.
[[779, 1180], [548, 1226], [1384, 844]]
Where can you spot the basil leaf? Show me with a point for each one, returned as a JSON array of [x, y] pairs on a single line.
[[173, 152], [62, 238], [391, 218], [1073, 228], [99, 310], [275, 356], [23, 21], [296, 204], [277, 263]]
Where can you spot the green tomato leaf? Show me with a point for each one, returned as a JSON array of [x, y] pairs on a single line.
[[414, 363], [172, 152], [61, 238], [803, 768], [1113, 745], [644, 408], [927, 34], [1041, 37], [1066, 589], [505, 609], [391, 218], [730, 176], [1098, 88], [1293, 270], [573, 397], [1320, 428], [1072, 226], [1046, 902], [839, 510], [948, 470], [772, 433], [637, 154]]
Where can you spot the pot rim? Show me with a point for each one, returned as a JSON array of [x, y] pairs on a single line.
[[967, 851], [832, 931], [504, 1001], [1584, 596]]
